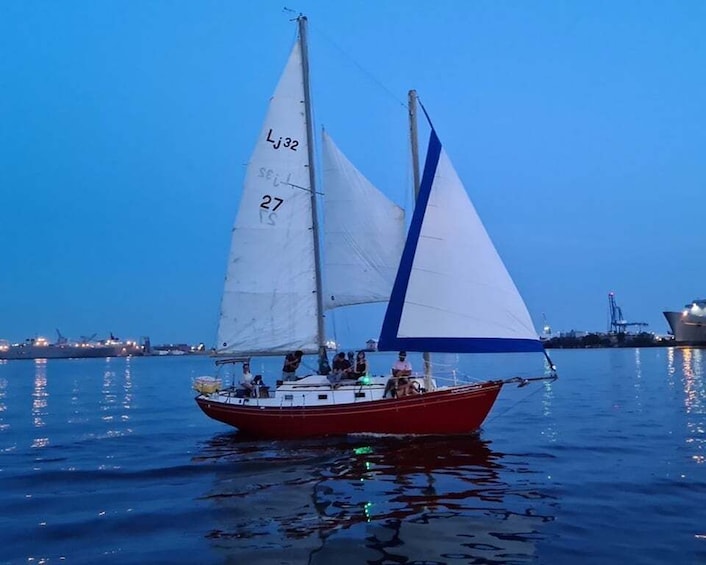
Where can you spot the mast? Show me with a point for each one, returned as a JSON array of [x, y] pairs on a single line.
[[302, 21], [414, 142], [413, 138]]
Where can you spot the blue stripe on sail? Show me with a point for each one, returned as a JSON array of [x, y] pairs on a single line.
[[391, 323], [462, 344], [389, 340]]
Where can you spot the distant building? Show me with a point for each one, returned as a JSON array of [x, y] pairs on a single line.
[[574, 333], [171, 349]]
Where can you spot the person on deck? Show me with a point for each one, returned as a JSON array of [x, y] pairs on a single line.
[[324, 367], [361, 365], [398, 384], [260, 389], [406, 387], [246, 386], [341, 368], [401, 367], [291, 364]]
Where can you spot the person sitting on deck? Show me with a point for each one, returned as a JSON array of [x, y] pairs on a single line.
[[361, 365], [245, 385], [260, 389], [341, 368], [406, 387], [401, 367], [400, 370]]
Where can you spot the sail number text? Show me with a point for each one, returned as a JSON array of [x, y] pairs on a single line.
[[286, 142], [267, 202], [268, 206]]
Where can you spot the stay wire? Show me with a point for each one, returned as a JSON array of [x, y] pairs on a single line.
[[512, 406], [362, 69]]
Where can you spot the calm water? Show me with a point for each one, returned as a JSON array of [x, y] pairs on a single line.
[[110, 461]]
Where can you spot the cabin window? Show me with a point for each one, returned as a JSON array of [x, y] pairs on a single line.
[[289, 397], [323, 396], [360, 395]]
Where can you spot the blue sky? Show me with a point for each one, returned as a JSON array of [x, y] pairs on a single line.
[[578, 128]]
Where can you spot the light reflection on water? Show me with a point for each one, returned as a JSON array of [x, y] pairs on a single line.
[[40, 398], [116, 395], [694, 402], [127, 388], [108, 392], [77, 415], [550, 431], [638, 378], [3, 407]]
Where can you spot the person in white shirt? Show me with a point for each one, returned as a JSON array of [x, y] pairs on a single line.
[[402, 367], [398, 384], [245, 386]]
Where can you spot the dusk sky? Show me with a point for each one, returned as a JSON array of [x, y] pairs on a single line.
[[578, 128]]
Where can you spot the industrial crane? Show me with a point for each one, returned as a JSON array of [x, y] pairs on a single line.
[[546, 328], [618, 324]]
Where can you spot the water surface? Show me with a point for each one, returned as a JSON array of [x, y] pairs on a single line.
[[110, 460]]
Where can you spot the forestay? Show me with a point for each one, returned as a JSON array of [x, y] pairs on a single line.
[[363, 234], [452, 292], [269, 298]]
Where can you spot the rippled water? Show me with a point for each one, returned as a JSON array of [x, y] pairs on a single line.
[[111, 461]]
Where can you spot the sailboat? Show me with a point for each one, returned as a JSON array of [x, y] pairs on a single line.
[[443, 294]]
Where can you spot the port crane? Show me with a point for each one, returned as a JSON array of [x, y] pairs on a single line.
[[618, 324], [60, 339], [546, 328]]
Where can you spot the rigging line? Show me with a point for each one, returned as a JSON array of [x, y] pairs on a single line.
[[426, 114], [305, 189], [333, 324], [314, 370], [511, 407], [367, 73]]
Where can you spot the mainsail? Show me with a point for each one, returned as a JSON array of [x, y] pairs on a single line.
[[269, 298], [363, 234], [269, 303], [452, 292]]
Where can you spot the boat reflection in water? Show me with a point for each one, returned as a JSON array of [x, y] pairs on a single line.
[[374, 500]]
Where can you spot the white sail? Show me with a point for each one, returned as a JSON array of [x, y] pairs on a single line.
[[453, 292], [269, 298], [363, 234]]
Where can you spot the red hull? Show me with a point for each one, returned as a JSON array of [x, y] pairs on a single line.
[[459, 410]]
